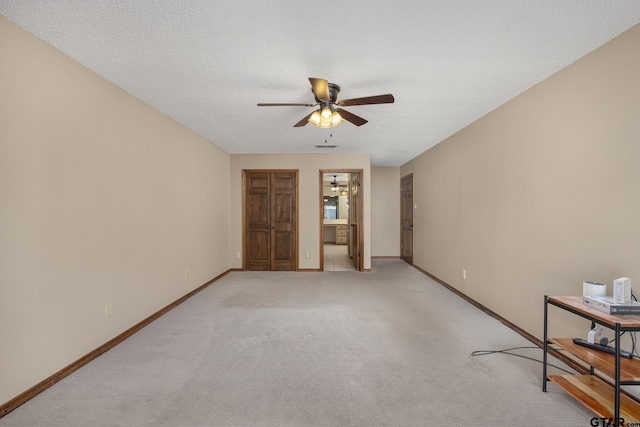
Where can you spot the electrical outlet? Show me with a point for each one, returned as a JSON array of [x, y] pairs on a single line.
[[108, 310], [307, 255], [238, 255], [464, 274]]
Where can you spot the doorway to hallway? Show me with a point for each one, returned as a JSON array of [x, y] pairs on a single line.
[[341, 216]]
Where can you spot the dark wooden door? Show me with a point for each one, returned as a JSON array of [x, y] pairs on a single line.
[[270, 220], [258, 221], [406, 208], [354, 225], [283, 221]]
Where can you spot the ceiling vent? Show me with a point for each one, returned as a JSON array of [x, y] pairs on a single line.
[[326, 146]]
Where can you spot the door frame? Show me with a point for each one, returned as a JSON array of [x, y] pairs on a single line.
[[359, 209], [244, 213]]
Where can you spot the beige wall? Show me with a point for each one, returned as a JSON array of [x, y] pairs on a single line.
[[102, 200], [540, 194], [309, 166], [385, 211]]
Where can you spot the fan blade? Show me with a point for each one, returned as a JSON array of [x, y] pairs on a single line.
[[367, 100], [350, 117], [320, 88], [263, 104], [303, 121]]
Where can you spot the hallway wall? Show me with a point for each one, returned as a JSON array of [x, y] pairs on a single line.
[[102, 200], [540, 194], [385, 211], [309, 166]]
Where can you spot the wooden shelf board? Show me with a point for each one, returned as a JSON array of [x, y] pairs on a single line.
[[598, 396], [576, 303], [604, 362]]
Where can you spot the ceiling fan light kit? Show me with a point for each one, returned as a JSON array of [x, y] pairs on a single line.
[[327, 116], [334, 185]]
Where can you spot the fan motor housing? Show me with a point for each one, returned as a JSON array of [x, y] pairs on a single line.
[[334, 90]]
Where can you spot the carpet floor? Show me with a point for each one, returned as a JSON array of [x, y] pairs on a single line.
[[386, 348]]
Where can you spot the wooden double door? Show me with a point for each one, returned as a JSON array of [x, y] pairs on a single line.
[[270, 220]]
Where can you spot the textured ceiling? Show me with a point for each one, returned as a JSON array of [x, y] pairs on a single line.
[[208, 63]]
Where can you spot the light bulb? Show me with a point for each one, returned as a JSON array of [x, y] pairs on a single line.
[[315, 118], [336, 119]]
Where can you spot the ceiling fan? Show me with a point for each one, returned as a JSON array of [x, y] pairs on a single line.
[[327, 115]]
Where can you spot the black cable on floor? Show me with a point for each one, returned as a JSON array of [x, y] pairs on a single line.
[[508, 352]]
